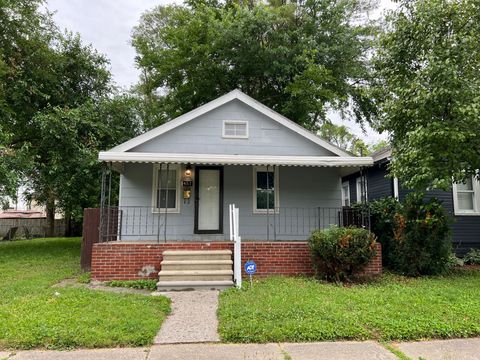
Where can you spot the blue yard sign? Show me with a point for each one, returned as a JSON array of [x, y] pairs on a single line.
[[250, 267]]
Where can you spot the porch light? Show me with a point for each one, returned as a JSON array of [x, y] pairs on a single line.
[[188, 170]]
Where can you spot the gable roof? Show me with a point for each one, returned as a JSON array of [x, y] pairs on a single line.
[[383, 153], [244, 98]]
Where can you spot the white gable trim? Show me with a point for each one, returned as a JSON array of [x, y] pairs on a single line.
[[235, 94]]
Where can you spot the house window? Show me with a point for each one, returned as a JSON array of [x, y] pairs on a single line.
[[235, 129], [466, 197], [362, 193], [166, 188], [265, 194], [346, 194]]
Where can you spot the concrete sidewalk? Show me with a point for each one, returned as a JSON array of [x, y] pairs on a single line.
[[342, 350]]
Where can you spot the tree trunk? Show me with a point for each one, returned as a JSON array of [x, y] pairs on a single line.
[[50, 218]]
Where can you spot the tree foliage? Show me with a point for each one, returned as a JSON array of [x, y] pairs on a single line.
[[58, 108], [428, 90], [298, 58], [341, 136]]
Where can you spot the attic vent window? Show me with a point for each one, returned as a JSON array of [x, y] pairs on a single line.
[[235, 129]]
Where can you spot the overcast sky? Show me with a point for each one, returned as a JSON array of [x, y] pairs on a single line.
[[107, 25]]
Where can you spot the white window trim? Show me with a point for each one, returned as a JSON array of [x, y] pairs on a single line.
[[156, 168], [347, 184], [276, 190], [476, 200], [358, 187], [236, 122]]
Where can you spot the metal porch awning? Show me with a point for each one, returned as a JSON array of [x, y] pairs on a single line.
[[236, 159]]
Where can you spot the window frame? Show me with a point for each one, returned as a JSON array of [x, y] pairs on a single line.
[[358, 187], [155, 209], [347, 184], [476, 199], [235, 122], [276, 190]]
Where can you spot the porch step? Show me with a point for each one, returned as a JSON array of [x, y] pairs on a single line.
[[174, 255], [193, 285], [187, 269], [197, 264], [195, 275]]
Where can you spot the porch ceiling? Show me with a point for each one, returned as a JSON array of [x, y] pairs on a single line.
[[225, 159]]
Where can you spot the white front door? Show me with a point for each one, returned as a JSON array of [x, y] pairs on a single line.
[[208, 201]]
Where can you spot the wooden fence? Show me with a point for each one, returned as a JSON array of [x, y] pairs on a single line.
[[91, 227]]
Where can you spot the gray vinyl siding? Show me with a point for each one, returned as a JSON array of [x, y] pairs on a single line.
[[203, 135], [300, 188], [465, 229]]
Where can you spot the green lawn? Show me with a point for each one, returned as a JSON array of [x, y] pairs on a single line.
[[394, 308], [33, 314]]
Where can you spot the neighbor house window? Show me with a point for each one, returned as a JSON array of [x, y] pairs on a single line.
[[362, 193], [265, 193], [346, 194], [235, 129], [466, 197], [166, 187]]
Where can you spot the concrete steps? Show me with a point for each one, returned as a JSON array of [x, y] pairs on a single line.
[[197, 265], [186, 270], [193, 285]]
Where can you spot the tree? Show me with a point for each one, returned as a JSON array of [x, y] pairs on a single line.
[[66, 169], [428, 70], [58, 108], [299, 58], [24, 54], [341, 136]]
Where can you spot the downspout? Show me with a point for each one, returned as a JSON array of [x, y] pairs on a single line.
[[159, 199]]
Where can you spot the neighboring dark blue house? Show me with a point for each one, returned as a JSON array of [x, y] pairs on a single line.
[[462, 202]]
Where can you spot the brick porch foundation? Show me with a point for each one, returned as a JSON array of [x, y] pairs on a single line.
[[131, 261]]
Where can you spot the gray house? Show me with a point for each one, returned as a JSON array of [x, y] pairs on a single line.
[[177, 183], [177, 180], [462, 202]]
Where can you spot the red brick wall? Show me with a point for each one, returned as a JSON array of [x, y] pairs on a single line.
[[374, 267], [125, 261]]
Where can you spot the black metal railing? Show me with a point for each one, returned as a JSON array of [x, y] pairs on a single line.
[[299, 222], [302, 221], [283, 223], [133, 223]]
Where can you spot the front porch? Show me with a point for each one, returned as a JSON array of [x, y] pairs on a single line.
[[183, 202], [167, 208], [121, 260]]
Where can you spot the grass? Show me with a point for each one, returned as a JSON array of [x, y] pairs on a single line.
[[33, 314], [394, 308], [134, 284]]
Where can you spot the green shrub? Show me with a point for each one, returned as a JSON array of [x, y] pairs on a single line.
[[414, 234], [146, 284], [338, 253], [421, 243], [382, 220], [472, 257], [454, 261]]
